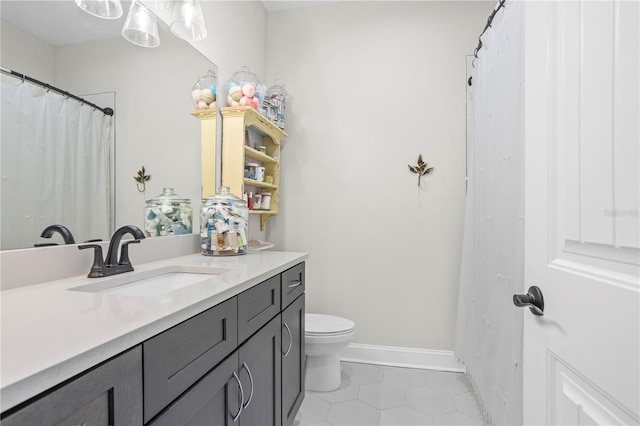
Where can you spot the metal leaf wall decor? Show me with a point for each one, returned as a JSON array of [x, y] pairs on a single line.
[[141, 178], [420, 169]]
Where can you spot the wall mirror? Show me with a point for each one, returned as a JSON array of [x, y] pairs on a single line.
[[150, 89]]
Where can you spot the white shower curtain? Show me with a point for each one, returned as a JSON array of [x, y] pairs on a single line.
[[489, 327], [55, 165]]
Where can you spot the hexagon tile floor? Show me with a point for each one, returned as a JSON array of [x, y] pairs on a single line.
[[379, 395]]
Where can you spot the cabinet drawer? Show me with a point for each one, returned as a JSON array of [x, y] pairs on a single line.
[[292, 284], [110, 394], [175, 359], [257, 306]]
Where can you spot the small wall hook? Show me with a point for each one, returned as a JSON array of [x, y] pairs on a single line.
[[141, 179]]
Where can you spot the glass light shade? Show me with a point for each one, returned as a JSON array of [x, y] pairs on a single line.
[[107, 9], [188, 21], [141, 27]]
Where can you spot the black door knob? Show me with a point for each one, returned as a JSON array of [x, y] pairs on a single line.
[[533, 299]]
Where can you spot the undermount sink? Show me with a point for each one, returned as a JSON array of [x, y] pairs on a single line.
[[154, 282]]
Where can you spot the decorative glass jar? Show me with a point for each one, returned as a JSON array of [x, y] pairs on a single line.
[[224, 222], [204, 91], [274, 105], [168, 214], [244, 89]]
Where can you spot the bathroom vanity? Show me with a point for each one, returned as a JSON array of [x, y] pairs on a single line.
[[219, 348]]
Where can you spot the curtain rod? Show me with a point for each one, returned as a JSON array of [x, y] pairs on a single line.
[[106, 111], [499, 6]]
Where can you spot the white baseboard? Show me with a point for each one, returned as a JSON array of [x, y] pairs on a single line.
[[401, 357]]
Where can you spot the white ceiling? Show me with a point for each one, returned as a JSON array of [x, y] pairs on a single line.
[[62, 22], [276, 5]]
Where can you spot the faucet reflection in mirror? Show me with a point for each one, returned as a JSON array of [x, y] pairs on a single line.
[[111, 265], [48, 232]]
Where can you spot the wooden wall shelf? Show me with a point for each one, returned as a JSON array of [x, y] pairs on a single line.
[[235, 152]]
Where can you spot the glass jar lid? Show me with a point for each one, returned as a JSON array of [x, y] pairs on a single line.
[[277, 89], [168, 197], [223, 196]]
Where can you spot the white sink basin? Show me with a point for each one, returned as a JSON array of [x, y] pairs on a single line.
[[154, 282]]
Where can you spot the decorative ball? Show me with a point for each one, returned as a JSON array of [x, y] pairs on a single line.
[[196, 95], [245, 101], [249, 90], [231, 102], [255, 102], [235, 92], [214, 89], [202, 105], [208, 96]]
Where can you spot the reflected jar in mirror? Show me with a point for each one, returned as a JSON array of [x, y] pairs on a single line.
[[168, 214], [204, 91], [244, 89], [224, 222]]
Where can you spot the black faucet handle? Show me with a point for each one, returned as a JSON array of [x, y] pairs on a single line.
[[124, 252], [97, 269]]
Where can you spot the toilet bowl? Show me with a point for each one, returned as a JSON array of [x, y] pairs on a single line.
[[324, 337]]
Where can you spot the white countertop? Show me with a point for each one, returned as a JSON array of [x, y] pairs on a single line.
[[50, 334]]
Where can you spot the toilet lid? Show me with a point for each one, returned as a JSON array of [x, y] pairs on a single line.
[[320, 324]]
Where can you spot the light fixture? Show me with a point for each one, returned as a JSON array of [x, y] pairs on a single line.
[[141, 27], [107, 9], [188, 21]]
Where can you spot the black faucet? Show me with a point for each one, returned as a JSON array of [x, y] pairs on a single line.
[[60, 229], [111, 265]]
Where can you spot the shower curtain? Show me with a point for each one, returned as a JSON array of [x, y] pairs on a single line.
[[55, 165], [489, 327]]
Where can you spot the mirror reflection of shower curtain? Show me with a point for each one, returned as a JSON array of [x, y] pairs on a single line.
[[55, 165]]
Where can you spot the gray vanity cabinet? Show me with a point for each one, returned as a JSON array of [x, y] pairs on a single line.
[[293, 359], [109, 394], [239, 362], [260, 373]]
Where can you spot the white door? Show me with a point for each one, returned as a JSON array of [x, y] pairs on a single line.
[[581, 359]]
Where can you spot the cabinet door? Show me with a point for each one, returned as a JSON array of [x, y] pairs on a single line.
[[260, 367], [110, 394], [175, 359], [212, 401], [293, 360], [292, 284]]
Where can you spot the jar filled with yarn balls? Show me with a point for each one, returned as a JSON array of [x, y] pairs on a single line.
[[204, 91], [244, 89], [274, 105], [167, 214], [224, 222]]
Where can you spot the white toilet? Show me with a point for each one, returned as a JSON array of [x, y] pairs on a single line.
[[324, 337]]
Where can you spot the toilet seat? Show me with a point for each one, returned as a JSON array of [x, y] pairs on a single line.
[[327, 325]]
